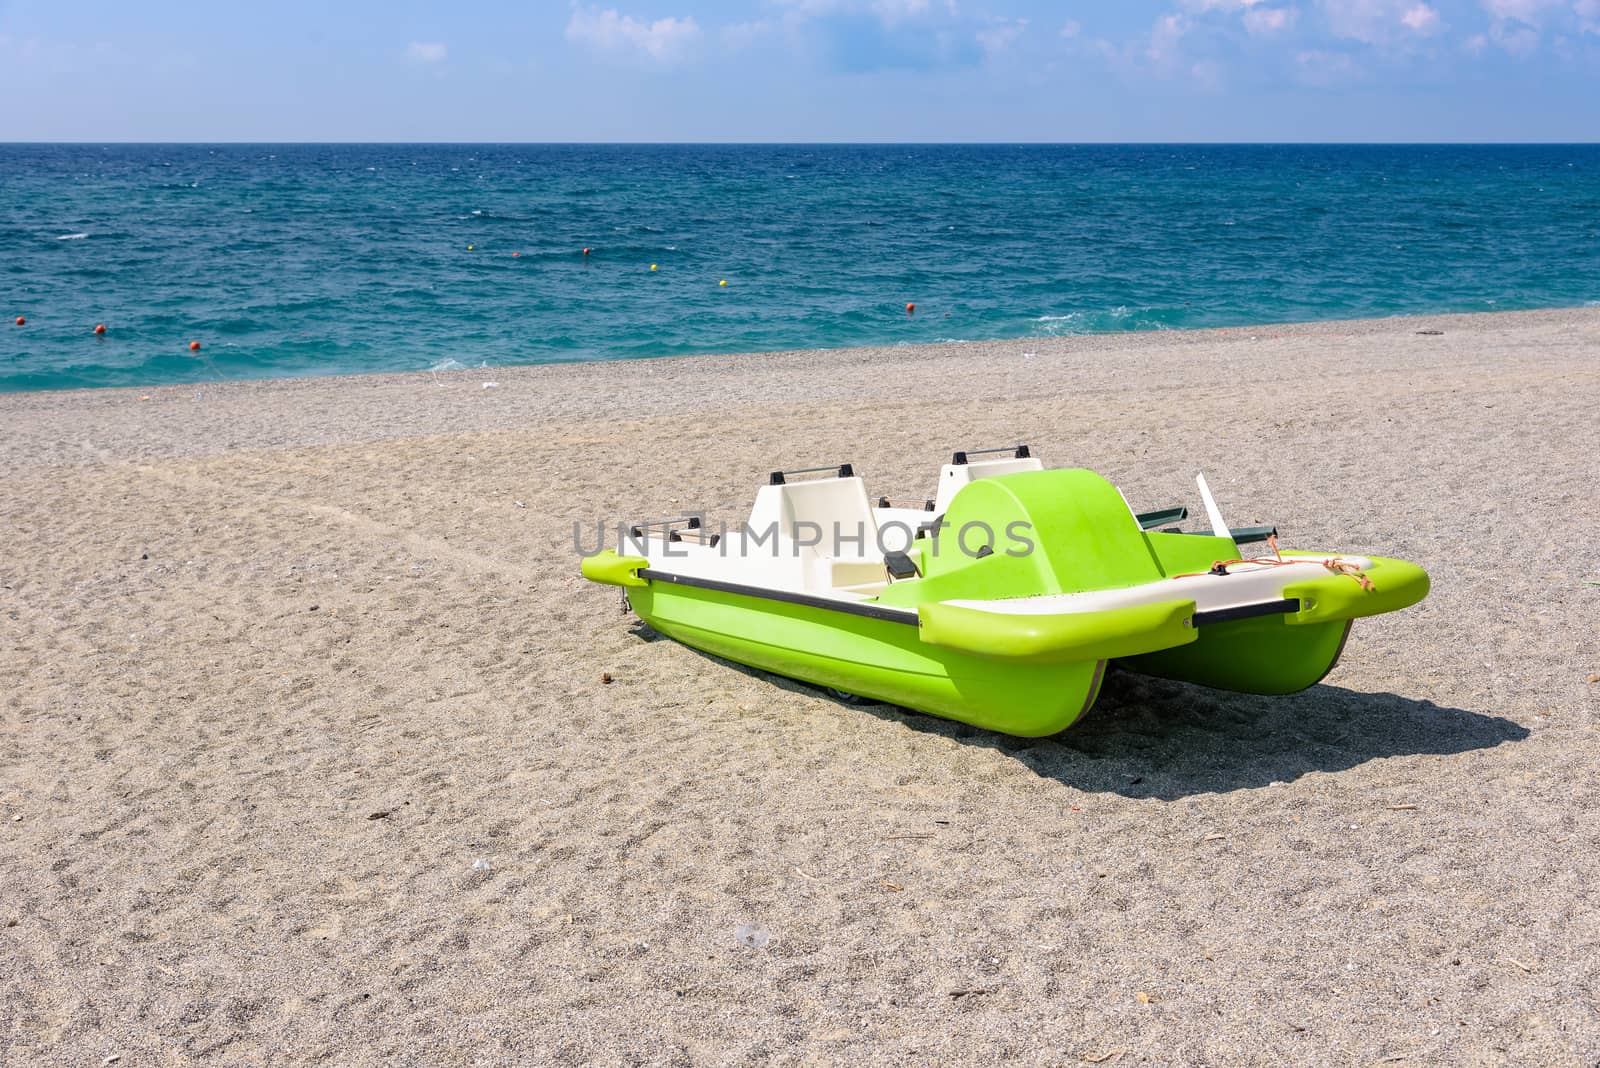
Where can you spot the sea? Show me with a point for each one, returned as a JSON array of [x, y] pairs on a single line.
[[333, 259]]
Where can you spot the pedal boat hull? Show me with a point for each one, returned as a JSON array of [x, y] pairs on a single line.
[[1011, 640], [879, 656], [1016, 665]]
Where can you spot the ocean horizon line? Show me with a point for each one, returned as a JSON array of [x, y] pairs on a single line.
[[1242, 143]]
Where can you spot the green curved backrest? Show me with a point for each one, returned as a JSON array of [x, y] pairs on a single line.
[[1083, 537]]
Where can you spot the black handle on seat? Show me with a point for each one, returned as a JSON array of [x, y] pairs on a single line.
[[840, 471], [1019, 452], [688, 522]]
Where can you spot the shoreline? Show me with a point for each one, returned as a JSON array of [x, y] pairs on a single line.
[[1112, 341], [312, 739]]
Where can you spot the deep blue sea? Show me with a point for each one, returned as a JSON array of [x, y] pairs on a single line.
[[322, 259]]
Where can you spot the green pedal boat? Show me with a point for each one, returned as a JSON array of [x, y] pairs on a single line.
[[1001, 600]]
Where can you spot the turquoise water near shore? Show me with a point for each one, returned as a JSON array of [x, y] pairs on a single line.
[[331, 259]]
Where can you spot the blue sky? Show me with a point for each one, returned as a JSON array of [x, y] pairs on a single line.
[[802, 70]]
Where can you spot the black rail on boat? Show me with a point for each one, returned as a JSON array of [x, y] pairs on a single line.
[[1019, 452], [839, 471], [849, 608], [909, 617], [1245, 611], [1161, 517]]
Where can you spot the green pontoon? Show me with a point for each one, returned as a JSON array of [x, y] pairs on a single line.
[[1001, 600]]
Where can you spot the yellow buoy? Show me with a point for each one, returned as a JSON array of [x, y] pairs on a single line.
[[469, 248], [723, 282], [652, 266]]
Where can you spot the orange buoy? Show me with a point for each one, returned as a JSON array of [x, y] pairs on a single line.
[[194, 346], [21, 321], [586, 251], [910, 308], [515, 255], [100, 328]]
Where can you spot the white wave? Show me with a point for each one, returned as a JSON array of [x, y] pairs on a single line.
[[1076, 322], [448, 365], [72, 237]]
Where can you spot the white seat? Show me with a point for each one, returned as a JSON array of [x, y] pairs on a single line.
[[826, 535]]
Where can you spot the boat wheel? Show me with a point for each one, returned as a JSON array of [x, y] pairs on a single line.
[[847, 698]]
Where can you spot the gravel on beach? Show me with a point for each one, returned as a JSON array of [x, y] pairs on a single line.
[[314, 745]]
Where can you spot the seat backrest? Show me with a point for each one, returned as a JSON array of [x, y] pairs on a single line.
[[953, 476], [1057, 531], [826, 524]]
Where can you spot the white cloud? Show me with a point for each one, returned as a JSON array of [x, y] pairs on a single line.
[[1379, 22], [888, 11], [1518, 24], [1207, 74], [744, 34], [1421, 19], [861, 35], [664, 40], [1165, 37], [899, 10], [1324, 69], [1161, 53], [1514, 38], [1266, 21], [1071, 28], [426, 52], [1259, 19], [1522, 10], [998, 37]]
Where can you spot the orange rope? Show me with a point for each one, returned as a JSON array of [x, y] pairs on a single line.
[[1337, 566]]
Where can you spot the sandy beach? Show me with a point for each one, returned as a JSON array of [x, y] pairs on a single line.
[[305, 752]]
